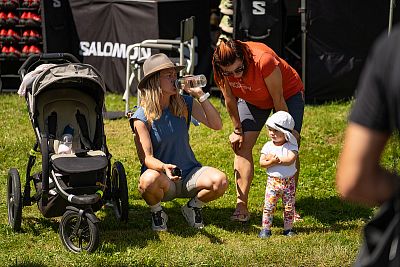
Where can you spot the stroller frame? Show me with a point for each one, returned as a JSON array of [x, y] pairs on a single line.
[[74, 185]]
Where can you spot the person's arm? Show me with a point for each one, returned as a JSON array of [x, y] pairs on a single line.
[[359, 176], [289, 159], [236, 138], [275, 89], [206, 113], [145, 150], [268, 160]]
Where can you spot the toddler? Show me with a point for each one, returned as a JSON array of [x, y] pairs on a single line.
[[279, 156]]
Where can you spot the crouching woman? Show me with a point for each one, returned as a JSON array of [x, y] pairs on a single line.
[[161, 126]]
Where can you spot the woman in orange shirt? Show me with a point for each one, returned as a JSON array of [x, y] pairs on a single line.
[[254, 80]]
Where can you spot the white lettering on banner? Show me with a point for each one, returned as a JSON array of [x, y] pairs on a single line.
[[116, 50], [144, 53], [119, 50], [259, 7], [97, 49], [56, 3]]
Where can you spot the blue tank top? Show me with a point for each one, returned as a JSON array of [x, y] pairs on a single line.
[[170, 138]]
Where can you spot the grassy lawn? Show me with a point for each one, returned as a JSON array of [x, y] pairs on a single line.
[[329, 235]]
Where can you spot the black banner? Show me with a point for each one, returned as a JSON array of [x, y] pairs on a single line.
[[260, 21], [98, 32], [339, 36]]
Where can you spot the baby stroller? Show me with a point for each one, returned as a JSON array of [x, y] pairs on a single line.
[[68, 96]]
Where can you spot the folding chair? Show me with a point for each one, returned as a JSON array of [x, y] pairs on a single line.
[[137, 53]]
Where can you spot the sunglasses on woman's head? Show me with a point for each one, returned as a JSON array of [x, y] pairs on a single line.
[[235, 71]]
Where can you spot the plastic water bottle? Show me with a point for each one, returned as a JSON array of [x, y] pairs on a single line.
[[191, 81], [65, 146]]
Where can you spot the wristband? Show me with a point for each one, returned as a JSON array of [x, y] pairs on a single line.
[[237, 132], [204, 97]]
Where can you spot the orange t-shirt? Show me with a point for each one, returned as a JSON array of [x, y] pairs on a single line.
[[251, 86]]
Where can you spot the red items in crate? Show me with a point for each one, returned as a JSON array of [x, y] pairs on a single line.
[[28, 50], [31, 36], [9, 4], [12, 19], [3, 35], [30, 19], [31, 3], [3, 18], [9, 36], [10, 52], [9, 19], [20, 29]]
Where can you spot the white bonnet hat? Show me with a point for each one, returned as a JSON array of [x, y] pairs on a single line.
[[283, 122]]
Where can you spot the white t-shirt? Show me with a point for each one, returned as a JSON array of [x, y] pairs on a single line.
[[281, 151]]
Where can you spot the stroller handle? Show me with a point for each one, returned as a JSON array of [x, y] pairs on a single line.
[[51, 57]]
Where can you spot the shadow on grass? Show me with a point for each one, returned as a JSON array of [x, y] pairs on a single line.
[[36, 225], [331, 210], [137, 232]]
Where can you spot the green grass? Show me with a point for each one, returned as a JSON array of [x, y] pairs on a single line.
[[329, 235]]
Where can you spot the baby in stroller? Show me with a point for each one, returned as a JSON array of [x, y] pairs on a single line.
[[65, 103]]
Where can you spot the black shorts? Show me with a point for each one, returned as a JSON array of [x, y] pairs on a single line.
[[254, 118]]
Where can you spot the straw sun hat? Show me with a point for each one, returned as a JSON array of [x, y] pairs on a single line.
[[283, 122], [156, 63]]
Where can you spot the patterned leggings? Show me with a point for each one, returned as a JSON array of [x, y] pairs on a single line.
[[277, 188]]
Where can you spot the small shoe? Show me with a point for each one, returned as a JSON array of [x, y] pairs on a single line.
[[34, 4], [159, 221], [12, 19], [13, 52], [25, 51], [289, 232], [193, 216], [4, 51], [34, 50], [265, 233]]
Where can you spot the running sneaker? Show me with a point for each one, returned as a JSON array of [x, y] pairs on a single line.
[[159, 221], [193, 216]]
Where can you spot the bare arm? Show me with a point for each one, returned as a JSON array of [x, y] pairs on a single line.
[[145, 150], [206, 113], [359, 176], [236, 138], [269, 160], [289, 159], [231, 105], [274, 85]]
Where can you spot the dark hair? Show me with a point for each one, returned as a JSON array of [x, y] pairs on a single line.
[[226, 53]]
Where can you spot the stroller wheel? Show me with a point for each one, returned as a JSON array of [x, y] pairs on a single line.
[[14, 200], [119, 192], [78, 233]]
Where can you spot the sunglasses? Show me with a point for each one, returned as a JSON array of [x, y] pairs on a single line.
[[236, 71]]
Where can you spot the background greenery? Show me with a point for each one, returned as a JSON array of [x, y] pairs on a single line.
[[329, 235]]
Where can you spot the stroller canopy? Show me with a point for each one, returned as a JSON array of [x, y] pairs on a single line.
[[69, 75]]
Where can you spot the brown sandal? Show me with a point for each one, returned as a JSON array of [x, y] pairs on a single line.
[[240, 217]]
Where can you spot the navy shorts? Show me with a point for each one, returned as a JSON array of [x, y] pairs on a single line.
[[254, 118]]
